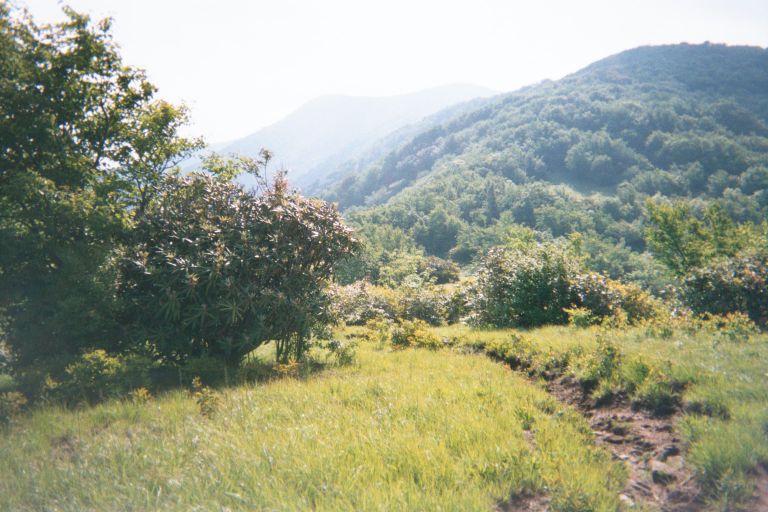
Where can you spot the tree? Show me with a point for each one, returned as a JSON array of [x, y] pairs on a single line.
[[217, 270], [683, 242], [439, 233], [83, 146]]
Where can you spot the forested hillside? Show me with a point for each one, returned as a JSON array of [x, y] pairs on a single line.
[[580, 155]]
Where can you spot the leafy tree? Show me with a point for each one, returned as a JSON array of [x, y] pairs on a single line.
[[683, 242], [83, 147], [217, 270], [439, 233]]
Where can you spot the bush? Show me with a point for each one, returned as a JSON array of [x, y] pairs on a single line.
[[343, 352], [733, 326], [218, 270], [207, 399], [732, 285], [438, 270], [457, 302], [358, 303], [581, 317], [419, 301], [524, 288], [96, 376], [606, 298], [11, 404], [415, 333]]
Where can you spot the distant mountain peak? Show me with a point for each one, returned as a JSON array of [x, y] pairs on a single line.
[[337, 127]]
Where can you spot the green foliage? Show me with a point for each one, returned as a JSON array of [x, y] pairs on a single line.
[[607, 299], [731, 285], [524, 288], [542, 284], [438, 233], [582, 155], [96, 376], [414, 333], [438, 271], [11, 405], [361, 302], [580, 317], [418, 300], [358, 303], [205, 398], [218, 270], [82, 152], [683, 242], [722, 265], [600, 159], [343, 352]]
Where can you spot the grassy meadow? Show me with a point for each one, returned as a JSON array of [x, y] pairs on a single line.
[[398, 429], [408, 429]]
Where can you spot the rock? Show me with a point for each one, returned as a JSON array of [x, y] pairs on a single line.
[[669, 451], [678, 496], [661, 473], [626, 500]]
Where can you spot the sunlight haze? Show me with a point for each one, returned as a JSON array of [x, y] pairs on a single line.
[[241, 65]]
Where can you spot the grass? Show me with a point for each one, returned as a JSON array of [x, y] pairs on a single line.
[[409, 429], [725, 391], [403, 429]]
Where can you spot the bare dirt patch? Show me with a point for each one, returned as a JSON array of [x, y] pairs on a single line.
[[525, 502], [760, 498], [648, 445]]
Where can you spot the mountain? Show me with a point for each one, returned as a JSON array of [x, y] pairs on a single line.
[[327, 131], [343, 164], [579, 155]]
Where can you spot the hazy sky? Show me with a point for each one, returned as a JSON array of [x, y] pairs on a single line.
[[241, 65]]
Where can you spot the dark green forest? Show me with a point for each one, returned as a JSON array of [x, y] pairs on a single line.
[[581, 158]]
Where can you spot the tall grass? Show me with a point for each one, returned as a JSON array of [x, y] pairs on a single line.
[[725, 427], [410, 429]]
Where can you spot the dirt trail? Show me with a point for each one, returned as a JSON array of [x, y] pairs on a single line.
[[648, 445]]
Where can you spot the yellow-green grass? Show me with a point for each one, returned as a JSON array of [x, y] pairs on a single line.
[[400, 430], [726, 431]]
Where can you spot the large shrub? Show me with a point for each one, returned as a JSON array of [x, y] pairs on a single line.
[[217, 270], [524, 287], [604, 298], [421, 301], [738, 284], [357, 303]]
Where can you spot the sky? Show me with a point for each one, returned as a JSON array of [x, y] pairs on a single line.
[[241, 65]]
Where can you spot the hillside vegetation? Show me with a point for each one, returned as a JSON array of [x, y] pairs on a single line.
[[580, 155]]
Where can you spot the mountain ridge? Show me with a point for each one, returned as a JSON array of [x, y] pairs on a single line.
[[336, 128], [581, 155]]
